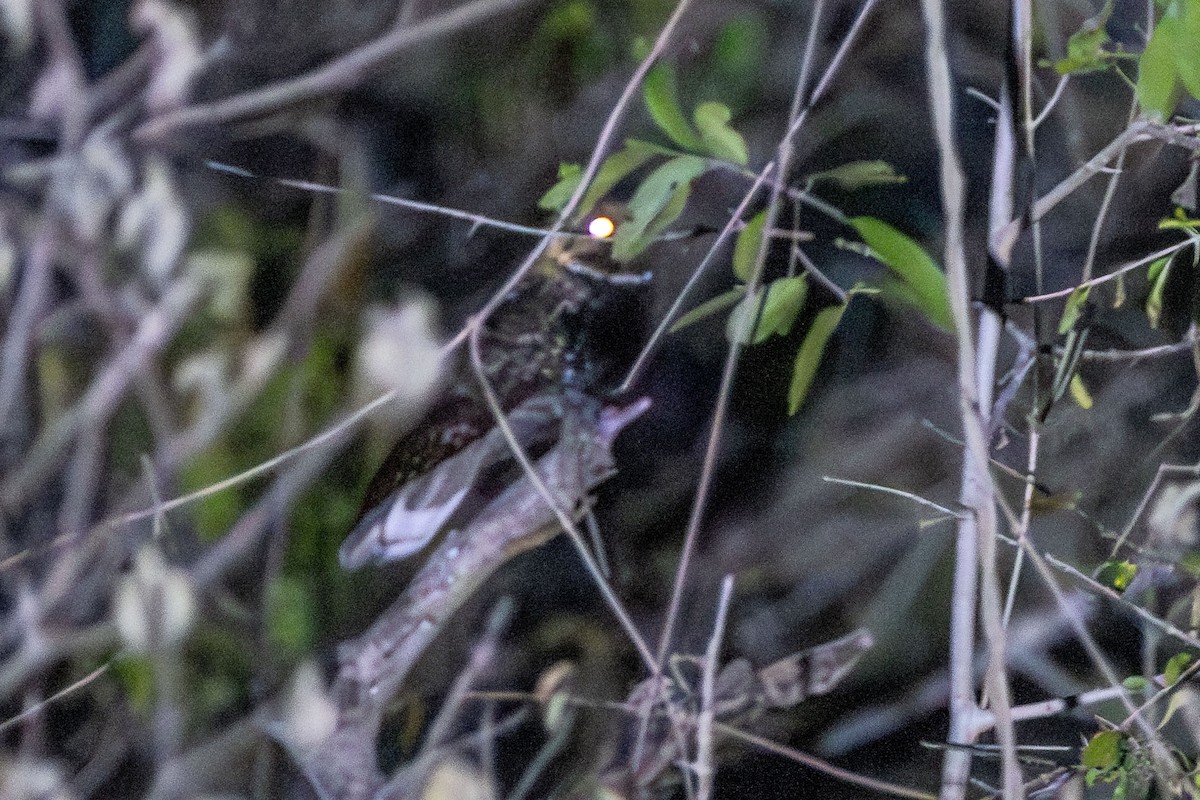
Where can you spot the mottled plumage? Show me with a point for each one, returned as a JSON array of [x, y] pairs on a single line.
[[569, 329]]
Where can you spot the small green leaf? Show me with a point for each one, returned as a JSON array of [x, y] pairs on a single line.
[[659, 190], [557, 195], [669, 213], [1085, 48], [745, 249], [1187, 56], [740, 324], [784, 302], [776, 310], [858, 174], [1157, 274], [662, 101], [809, 356], [1116, 574], [1079, 392], [1175, 667], [709, 307], [614, 170], [1135, 683], [1158, 73], [1073, 309], [1174, 704], [721, 141], [1103, 751], [912, 264]]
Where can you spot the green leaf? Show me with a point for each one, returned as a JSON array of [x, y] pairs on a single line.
[[709, 307], [809, 356], [1187, 56], [1157, 274], [1158, 72], [1116, 574], [1079, 392], [1085, 48], [1174, 704], [784, 302], [1135, 683], [912, 264], [720, 140], [1103, 751], [614, 170], [557, 195], [776, 310], [659, 190], [740, 323], [669, 213], [745, 249], [858, 174], [1073, 309], [662, 101], [1175, 667]]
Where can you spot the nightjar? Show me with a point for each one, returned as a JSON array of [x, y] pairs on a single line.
[[565, 334]]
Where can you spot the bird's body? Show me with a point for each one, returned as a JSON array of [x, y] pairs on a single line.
[[564, 334]]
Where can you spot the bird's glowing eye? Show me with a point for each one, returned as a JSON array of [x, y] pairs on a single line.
[[601, 227]]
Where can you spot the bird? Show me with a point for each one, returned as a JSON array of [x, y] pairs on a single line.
[[562, 337]]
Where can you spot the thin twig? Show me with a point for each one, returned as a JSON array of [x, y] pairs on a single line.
[[916, 498], [1052, 102], [823, 766], [40, 706], [1121, 270], [705, 739], [340, 74]]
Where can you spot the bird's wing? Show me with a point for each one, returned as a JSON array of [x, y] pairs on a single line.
[[412, 515]]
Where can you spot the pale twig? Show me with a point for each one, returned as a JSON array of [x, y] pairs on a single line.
[[1116, 596], [975, 569], [1042, 565], [811, 268], [823, 766], [1121, 270], [1052, 102], [314, 187], [1110, 191], [340, 74], [986, 99], [563, 517], [975, 494], [1140, 131], [705, 739], [916, 498], [41, 705], [1158, 351]]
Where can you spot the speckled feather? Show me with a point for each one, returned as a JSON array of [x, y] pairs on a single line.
[[564, 326]]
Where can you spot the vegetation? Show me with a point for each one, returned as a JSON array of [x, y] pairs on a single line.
[[900, 496]]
